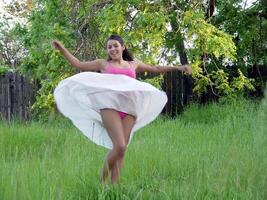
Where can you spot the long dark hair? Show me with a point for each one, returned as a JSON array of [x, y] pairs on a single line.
[[126, 54]]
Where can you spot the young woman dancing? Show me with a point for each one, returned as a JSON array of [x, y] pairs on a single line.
[[108, 107]]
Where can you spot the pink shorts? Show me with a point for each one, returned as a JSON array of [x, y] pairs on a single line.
[[122, 114]]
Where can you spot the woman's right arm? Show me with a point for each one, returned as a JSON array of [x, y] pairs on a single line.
[[95, 65]]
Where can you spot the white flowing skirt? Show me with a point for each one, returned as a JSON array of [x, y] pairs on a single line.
[[80, 98]]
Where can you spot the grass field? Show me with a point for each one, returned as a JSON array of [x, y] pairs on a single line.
[[209, 152]]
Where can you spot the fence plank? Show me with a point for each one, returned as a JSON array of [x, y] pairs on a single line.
[[16, 96], [8, 98]]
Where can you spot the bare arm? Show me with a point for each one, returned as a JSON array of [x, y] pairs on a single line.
[[95, 65], [142, 67]]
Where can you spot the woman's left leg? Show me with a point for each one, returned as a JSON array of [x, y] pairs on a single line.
[[113, 124], [128, 122]]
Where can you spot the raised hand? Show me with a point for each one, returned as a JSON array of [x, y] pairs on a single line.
[[57, 45], [186, 68]]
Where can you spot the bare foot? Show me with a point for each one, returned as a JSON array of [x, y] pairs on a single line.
[[105, 172], [115, 173]]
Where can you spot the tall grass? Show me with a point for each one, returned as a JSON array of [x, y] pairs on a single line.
[[211, 152]]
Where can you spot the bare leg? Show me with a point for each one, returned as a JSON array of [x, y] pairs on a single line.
[[113, 124], [128, 122]]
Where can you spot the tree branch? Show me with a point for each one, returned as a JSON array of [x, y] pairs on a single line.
[[211, 9]]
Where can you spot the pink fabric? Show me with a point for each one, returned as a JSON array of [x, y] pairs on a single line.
[[122, 114], [128, 71]]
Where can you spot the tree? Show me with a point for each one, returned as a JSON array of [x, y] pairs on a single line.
[[248, 26], [170, 32], [11, 50]]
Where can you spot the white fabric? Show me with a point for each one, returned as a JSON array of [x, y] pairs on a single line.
[[80, 98]]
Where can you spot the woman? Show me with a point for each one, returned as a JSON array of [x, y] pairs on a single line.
[[108, 107]]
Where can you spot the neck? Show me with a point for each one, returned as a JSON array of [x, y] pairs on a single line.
[[119, 61]]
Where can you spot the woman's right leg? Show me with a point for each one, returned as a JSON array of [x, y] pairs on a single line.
[[113, 124]]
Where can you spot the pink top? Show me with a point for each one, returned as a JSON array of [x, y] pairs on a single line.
[[128, 71]]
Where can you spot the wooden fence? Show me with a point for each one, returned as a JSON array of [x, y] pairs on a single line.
[[178, 88], [17, 94]]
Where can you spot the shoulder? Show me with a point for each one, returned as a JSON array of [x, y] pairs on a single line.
[[143, 67], [94, 65], [102, 62], [135, 63]]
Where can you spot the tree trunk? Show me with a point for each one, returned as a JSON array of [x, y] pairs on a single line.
[[184, 89]]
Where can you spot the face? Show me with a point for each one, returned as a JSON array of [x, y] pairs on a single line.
[[115, 49]]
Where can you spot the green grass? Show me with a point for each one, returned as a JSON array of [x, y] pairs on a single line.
[[211, 152]]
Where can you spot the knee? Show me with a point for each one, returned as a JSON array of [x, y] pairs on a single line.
[[120, 150]]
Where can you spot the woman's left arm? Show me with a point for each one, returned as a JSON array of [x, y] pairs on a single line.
[[142, 67]]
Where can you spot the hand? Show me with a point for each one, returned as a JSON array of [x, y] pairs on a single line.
[[186, 68], [57, 45]]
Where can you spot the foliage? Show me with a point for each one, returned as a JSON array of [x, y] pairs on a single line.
[[142, 24], [209, 42], [5, 69], [248, 26], [20, 8], [206, 38], [10, 48], [153, 31], [156, 81], [78, 27], [43, 62]]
